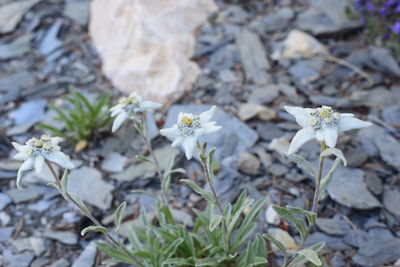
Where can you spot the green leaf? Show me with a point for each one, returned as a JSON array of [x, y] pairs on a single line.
[[142, 158], [207, 262], [177, 262], [80, 203], [215, 222], [326, 180], [310, 255], [101, 103], [63, 117], [303, 163], [238, 212], [85, 101], [52, 129], [311, 216], [279, 245], [94, 228], [259, 261], [298, 223], [171, 249], [119, 212], [115, 253], [334, 151], [207, 195], [299, 260], [64, 180]]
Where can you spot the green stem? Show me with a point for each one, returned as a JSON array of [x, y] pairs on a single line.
[[314, 207], [89, 215], [206, 170]]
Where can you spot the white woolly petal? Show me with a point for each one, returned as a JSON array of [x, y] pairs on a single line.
[[171, 132], [302, 115], [56, 140], [178, 141], [18, 147], [207, 115], [21, 156], [136, 96], [189, 145], [61, 159], [300, 138], [210, 127], [118, 121], [115, 110], [27, 165], [345, 115], [39, 162], [330, 135], [349, 123], [149, 105], [180, 116], [319, 135]]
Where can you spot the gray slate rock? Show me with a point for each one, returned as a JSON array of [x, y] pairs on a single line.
[[29, 112], [253, 57], [77, 10], [18, 47], [4, 201], [377, 139], [391, 201], [331, 242], [24, 194], [391, 114], [264, 94], [12, 13], [5, 233], [21, 260], [327, 17], [248, 163], [87, 257], [64, 237], [378, 252], [234, 137], [348, 188], [17, 81], [329, 226], [374, 183], [114, 162], [88, 185]]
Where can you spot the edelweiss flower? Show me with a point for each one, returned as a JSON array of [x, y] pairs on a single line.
[[35, 151], [129, 107], [323, 124], [188, 129]]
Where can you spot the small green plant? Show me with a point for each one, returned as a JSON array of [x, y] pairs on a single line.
[[83, 121]]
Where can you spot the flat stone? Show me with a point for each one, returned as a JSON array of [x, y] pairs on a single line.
[[4, 218], [277, 169], [38, 245], [269, 131], [348, 188], [391, 200], [253, 56], [4, 201], [114, 162], [5, 233], [391, 114], [248, 163], [283, 237], [29, 112], [146, 170], [304, 72], [248, 111], [50, 42], [385, 61], [88, 185], [331, 242], [87, 257], [21, 244], [21, 260], [17, 81], [279, 20], [12, 13], [356, 157], [271, 216], [61, 263], [329, 226], [378, 252], [374, 183], [264, 94], [24, 194], [234, 137], [65, 237], [78, 11], [18, 47], [374, 98], [327, 17], [377, 139]]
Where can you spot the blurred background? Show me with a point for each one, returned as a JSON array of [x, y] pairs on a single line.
[[60, 60]]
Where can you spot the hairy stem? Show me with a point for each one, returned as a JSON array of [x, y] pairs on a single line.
[[314, 207], [206, 169], [89, 215]]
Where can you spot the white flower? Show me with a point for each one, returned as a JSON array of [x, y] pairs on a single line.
[[36, 151], [322, 123], [188, 129], [129, 107]]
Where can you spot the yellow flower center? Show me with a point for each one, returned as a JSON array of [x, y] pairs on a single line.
[[48, 146], [187, 121], [128, 100], [324, 113], [313, 121], [37, 143], [45, 138], [29, 152]]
